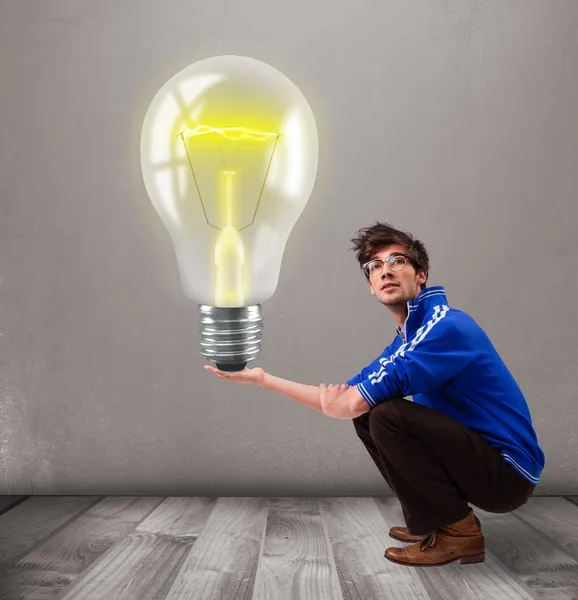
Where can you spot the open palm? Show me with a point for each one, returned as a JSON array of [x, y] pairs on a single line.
[[255, 376]]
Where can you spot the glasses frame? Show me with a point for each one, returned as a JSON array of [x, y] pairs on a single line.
[[406, 256]]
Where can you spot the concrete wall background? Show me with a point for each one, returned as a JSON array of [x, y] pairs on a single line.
[[454, 120]]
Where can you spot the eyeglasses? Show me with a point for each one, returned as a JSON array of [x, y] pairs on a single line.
[[396, 262]]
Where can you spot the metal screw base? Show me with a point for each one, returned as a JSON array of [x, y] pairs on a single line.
[[230, 336]]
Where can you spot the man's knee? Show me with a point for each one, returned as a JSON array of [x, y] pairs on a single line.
[[386, 411]]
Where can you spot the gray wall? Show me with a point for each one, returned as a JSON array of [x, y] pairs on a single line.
[[455, 120]]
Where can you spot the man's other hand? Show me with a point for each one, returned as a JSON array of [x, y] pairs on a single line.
[[328, 395]]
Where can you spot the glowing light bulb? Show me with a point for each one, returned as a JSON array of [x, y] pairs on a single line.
[[229, 152]]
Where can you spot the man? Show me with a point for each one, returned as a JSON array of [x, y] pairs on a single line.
[[466, 435]]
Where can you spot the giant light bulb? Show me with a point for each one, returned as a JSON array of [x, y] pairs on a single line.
[[229, 153]]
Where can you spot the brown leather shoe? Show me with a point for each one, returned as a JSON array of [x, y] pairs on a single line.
[[403, 534], [461, 541]]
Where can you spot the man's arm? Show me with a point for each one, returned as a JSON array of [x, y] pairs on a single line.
[[346, 404], [309, 395], [334, 401]]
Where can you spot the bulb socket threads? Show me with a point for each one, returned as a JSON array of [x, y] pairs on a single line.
[[230, 336]]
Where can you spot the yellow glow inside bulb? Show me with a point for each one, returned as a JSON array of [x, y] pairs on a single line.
[[224, 155]]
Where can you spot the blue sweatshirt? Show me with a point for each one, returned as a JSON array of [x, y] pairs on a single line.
[[444, 359]]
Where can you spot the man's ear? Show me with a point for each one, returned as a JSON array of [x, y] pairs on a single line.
[[422, 275]]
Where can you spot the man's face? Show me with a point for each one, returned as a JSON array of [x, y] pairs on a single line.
[[406, 283]]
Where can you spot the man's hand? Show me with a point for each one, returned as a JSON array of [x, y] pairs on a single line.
[[255, 376], [328, 397]]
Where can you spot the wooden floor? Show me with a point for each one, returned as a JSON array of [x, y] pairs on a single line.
[[152, 548]]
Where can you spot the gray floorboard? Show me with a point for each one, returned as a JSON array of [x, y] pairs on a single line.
[[357, 532], [146, 562], [223, 562], [296, 559], [45, 571], [29, 522], [7, 502], [540, 562]]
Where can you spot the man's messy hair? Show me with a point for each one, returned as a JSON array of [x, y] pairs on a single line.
[[375, 238]]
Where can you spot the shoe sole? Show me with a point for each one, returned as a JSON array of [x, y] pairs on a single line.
[[464, 560]]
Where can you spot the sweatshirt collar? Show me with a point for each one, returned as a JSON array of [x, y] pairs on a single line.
[[427, 299]]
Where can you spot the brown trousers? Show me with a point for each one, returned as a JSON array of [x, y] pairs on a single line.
[[435, 465]]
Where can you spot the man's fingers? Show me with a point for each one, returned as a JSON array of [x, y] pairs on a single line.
[[217, 372]]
